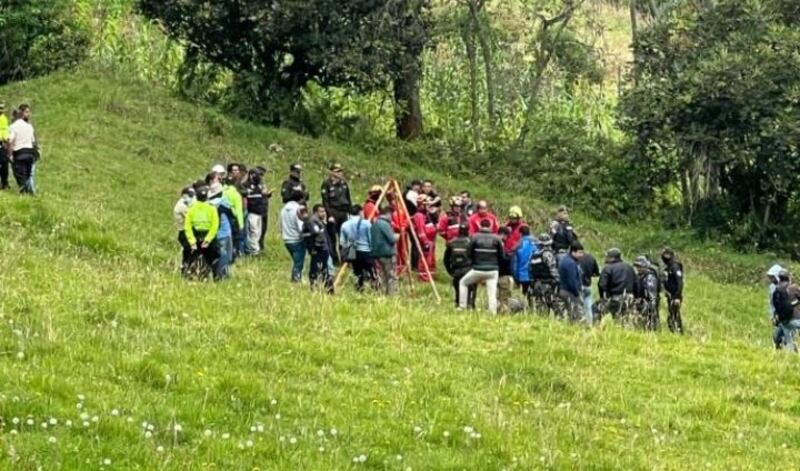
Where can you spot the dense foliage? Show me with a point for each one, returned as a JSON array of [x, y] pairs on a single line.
[[714, 112], [38, 37]]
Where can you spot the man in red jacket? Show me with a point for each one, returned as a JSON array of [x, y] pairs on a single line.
[[514, 223], [482, 213], [450, 222], [400, 224], [424, 222]]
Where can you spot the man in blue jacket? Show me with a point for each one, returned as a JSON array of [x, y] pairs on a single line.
[[569, 276], [521, 259]]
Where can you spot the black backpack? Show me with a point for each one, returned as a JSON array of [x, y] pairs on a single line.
[[459, 256], [783, 304]]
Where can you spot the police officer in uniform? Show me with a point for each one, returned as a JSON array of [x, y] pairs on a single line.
[[562, 232], [337, 202], [617, 281], [294, 184], [544, 276], [647, 293], [674, 289]]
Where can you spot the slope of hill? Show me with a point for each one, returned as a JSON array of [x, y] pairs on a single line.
[[110, 360]]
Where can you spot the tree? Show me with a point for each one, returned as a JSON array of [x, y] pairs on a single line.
[[714, 112], [276, 48]]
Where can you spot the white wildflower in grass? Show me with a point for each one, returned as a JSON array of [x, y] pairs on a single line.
[[84, 416], [107, 462], [362, 458], [52, 439], [130, 420], [53, 421], [160, 449], [15, 420], [115, 413], [86, 424], [321, 449], [282, 439], [81, 397], [293, 441], [249, 443], [151, 427], [260, 428], [240, 445], [468, 430], [252, 429], [274, 402], [29, 421], [44, 424], [446, 434], [207, 433], [277, 417], [13, 432], [334, 432], [21, 355], [399, 457], [79, 405], [417, 429], [144, 425], [148, 434], [95, 419], [177, 428], [226, 436], [320, 433], [68, 423]]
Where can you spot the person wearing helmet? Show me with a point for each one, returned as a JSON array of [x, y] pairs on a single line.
[[451, 222], [515, 222], [424, 223], [786, 300], [294, 185], [458, 263], [562, 232], [371, 209], [337, 202], [179, 213], [772, 279], [482, 213], [200, 227], [544, 277], [646, 294], [674, 289], [617, 280]]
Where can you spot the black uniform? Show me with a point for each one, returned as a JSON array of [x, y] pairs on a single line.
[[291, 186], [674, 289], [616, 285], [457, 263], [319, 246], [336, 199], [563, 236], [647, 294], [544, 277]]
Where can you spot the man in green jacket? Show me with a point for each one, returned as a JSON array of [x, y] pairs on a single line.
[[201, 226], [383, 245]]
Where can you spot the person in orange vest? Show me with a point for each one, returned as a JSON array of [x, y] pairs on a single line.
[[371, 209], [425, 221], [482, 213], [450, 222]]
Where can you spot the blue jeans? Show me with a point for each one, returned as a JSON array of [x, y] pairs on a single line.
[[297, 251], [790, 330], [586, 296], [222, 267]]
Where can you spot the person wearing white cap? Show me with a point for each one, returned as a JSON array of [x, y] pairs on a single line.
[[772, 277]]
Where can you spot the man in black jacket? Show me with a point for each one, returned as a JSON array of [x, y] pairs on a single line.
[[674, 289], [319, 247], [457, 263], [616, 284], [337, 202], [486, 255], [294, 184]]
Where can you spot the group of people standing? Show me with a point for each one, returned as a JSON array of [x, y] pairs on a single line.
[[19, 149]]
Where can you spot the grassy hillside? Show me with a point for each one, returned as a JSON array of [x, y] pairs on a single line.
[[99, 330]]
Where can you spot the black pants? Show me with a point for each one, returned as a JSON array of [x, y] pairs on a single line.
[[201, 260], [186, 252], [674, 321], [23, 168], [3, 168], [264, 225], [363, 267], [319, 269], [472, 291], [333, 233]]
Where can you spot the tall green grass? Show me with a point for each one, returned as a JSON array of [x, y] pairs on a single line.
[[255, 373]]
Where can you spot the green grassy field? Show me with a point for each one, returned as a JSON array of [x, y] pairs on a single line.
[[109, 360]]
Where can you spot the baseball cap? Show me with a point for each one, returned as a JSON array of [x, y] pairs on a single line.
[[218, 169], [336, 168], [295, 168]]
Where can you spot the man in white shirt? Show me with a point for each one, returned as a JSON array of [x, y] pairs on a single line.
[[22, 147], [291, 219]]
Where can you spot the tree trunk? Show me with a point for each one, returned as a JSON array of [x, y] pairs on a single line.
[[634, 37], [472, 59], [488, 61], [408, 112]]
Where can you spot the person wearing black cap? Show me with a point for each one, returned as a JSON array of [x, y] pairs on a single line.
[[616, 284], [674, 289], [294, 184], [337, 202], [544, 277], [647, 294]]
